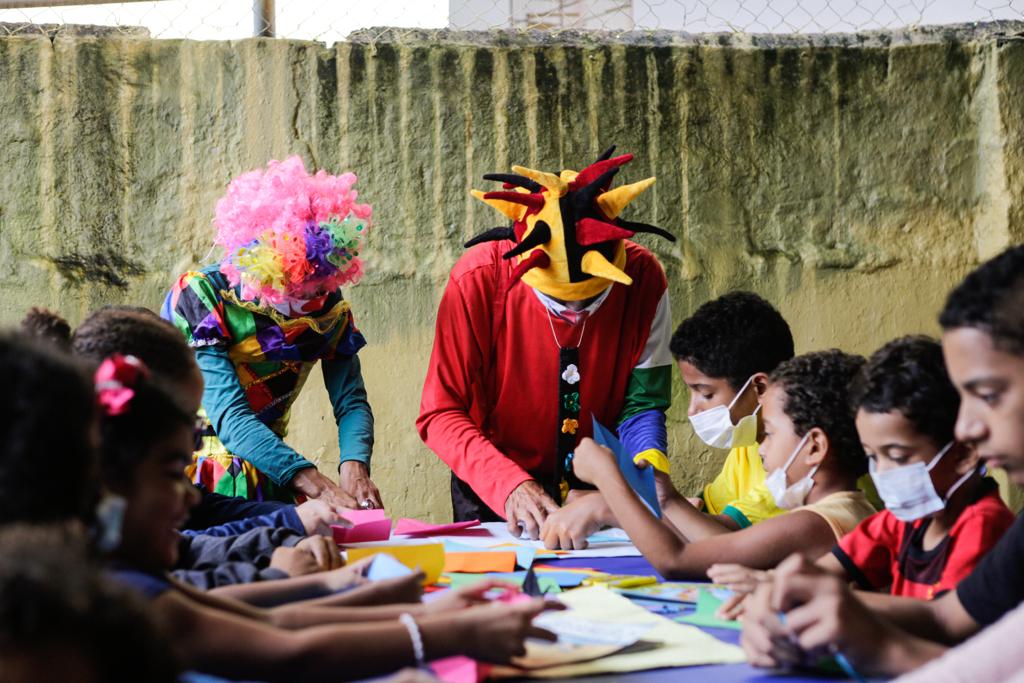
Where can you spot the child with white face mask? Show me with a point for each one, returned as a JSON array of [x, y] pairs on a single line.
[[813, 459], [725, 351], [942, 515]]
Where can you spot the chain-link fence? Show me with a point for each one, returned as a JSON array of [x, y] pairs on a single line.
[[332, 20]]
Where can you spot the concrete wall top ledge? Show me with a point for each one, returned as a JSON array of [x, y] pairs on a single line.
[[919, 35]]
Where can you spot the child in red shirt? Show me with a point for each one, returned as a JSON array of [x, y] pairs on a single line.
[[942, 514]]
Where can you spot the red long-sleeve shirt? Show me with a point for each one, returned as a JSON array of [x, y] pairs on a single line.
[[490, 400]]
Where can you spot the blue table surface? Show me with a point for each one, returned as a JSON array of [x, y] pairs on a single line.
[[720, 673]]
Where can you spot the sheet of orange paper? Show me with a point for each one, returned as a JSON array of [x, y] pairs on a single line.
[[427, 557], [479, 563]]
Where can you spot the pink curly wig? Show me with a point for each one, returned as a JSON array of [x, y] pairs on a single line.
[[286, 234]]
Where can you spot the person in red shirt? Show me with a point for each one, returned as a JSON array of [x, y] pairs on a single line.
[[542, 325], [942, 515]]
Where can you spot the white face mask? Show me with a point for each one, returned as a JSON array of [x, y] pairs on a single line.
[[908, 491], [715, 428], [109, 522], [789, 497]]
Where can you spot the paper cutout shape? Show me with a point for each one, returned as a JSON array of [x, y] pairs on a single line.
[[363, 532], [480, 562], [460, 580], [668, 591], [385, 566], [428, 557], [414, 527], [459, 670], [704, 615], [640, 480], [364, 516], [680, 645]]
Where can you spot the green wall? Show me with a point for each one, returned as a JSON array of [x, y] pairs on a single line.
[[851, 180]]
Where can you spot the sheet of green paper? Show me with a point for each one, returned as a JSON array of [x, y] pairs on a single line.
[[459, 580], [704, 615]]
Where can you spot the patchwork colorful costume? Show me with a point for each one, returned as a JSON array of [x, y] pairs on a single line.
[[257, 338], [515, 374]]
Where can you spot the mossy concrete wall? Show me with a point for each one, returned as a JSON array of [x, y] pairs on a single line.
[[850, 180]]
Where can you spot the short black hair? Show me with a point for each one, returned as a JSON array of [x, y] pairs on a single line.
[[909, 375], [134, 331], [991, 299], [817, 388], [44, 324], [48, 465], [125, 439], [734, 337], [54, 600]]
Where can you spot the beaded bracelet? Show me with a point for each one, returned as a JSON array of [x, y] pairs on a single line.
[[417, 640]]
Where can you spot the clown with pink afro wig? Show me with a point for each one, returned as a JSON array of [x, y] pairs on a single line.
[[261, 317], [288, 235]]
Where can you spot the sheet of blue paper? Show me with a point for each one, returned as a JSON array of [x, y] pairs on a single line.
[[385, 566], [563, 579], [640, 480]]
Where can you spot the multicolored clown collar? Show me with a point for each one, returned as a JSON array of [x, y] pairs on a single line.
[[567, 227]]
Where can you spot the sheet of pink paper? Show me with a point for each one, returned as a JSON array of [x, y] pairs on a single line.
[[379, 530], [414, 527], [459, 670], [363, 516]]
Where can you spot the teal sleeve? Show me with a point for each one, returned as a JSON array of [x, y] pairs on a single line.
[[736, 516], [648, 389], [344, 381], [236, 424]]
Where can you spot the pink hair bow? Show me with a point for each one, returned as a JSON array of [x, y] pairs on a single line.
[[115, 380]]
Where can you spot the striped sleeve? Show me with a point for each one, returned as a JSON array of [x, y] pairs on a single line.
[[649, 392]]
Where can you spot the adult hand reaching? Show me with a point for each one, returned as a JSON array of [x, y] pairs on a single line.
[[355, 481], [527, 507], [312, 484]]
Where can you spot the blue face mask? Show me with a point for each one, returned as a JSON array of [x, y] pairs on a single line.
[[109, 522], [908, 491]]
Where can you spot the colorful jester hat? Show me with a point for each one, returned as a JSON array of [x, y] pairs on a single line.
[[567, 227], [290, 236]]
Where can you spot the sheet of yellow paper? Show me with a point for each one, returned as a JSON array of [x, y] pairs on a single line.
[[479, 563], [428, 557], [681, 645]]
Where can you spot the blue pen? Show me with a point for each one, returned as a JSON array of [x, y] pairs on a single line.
[[840, 658]]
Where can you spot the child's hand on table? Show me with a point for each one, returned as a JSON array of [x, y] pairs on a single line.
[[317, 517], [591, 462], [293, 561], [467, 596], [569, 527], [738, 578], [496, 632], [822, 615], [323, 550]]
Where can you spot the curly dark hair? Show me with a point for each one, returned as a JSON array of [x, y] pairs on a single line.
[[134, 331], [126, 439], [42, 323], [734, 337], [48, 466], [817, 387], [991, 299], [909, 375], [53, 600]]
